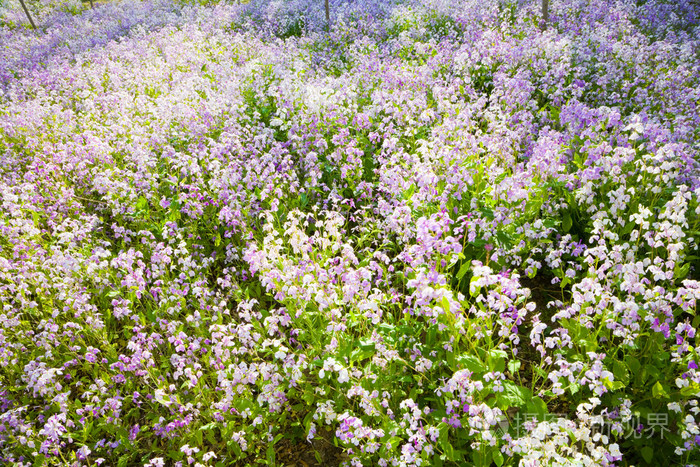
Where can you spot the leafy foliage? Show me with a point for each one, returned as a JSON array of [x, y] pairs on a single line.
[[431, 234]]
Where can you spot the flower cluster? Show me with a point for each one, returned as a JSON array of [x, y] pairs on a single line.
[[226, 227]]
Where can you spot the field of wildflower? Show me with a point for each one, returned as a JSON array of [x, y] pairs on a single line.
[[432, 233]]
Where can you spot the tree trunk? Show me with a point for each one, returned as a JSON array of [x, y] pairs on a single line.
[[545, 14], [31, 21], [328, 15]]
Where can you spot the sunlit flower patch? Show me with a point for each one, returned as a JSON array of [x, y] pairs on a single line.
[[431, 233]]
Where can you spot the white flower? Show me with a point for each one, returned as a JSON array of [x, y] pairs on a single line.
[[162, 398]]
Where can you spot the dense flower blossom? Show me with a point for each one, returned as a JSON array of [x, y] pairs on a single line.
[[430, 231]]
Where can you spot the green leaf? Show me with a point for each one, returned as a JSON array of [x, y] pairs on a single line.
[[554, 113], [513, 366], [633, 364], [648, 454], [445, 304], [513, 395], [612, 385], [270, 454], [693, 390], [497, 360], [658, 391], [482, 459], [682, 271], [504, 239], [142, 203], [564, 282], [174, 211], [498, 458], [487, 213], [408, 193], [629, 227], [364, 350], [233, 445], [566, 222], [472, 363], [550, 223], [444, 430], [210, 437], [620, 372], [463, 270], [537, 407]]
